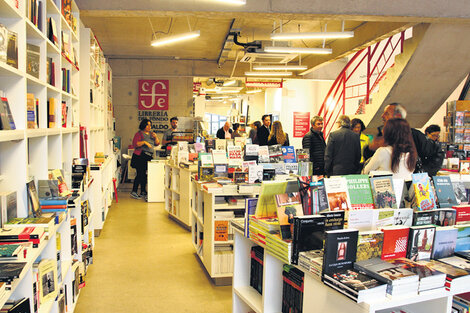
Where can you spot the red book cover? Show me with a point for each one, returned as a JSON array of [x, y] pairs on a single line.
[[395, 242], [25, 234], [463, 214], [54, 206]]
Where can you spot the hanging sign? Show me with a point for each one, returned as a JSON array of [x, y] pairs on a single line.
[[264, 84], [153, 94], [301, 123]]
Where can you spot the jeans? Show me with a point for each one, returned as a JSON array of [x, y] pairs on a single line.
[[141, 177]]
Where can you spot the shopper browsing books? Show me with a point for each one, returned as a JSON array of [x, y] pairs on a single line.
[[277, 135], [253, 135], [315, 142], [343, 150], [235, 132], [144, 142], [399, 155], [433, 132], [358, 127], [264, 130], [168, 135], [225, 132]]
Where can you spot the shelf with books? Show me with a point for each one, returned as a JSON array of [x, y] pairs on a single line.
[[32, 32], [11, 135], [250, 297]]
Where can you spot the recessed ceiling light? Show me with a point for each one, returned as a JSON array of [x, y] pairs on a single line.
[[279, 67], [236, 2], [254, 91]]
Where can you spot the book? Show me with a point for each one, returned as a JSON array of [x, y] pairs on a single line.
[[235, 156], [463, 235], [64, 110], [8, 208], [395, 242], [460, 192], [47, 270], [275, 154], [333, 220], [369, 245], [339, 250], [403, 217], [423, 218], [458, 262], [420, 243], [445, 217], [263, 154], [31, 111], [6, 115], [423, 192], [359, 191], [12, 49], [32, 60], [462, 214], [288, 207], [429, 278], [383, 192], [51, 107], [362, 220], [337, 193], [445, 240], [444, 191], [266, 206], [308, 234], [221, 230], [3, 43], [219, 157], [250, 209], [57, 175], [303, 155], [10, 270], [255, 174], [288, 154], [10, 252], [386, 272], [48, 188], [384, 217], [455, 276], [464, 168], [34, 209], [221, 144]]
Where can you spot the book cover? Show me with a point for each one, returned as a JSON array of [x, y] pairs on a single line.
[[219, 156], [275, 154], [47, 270], [458, 262], [303, 155], [210, 145], [445, 217], [11, 270], [288, 154], [452, 272], [250, 209], [206, 159], [383, 192], [12, 49], [252, 150], [460, 192], [459, 118], [266, 206], [459, 135], [421, 239], [464, 167], [360, 193], [385, 271], [319, 196], [420, 269], [32, 59], [240, 177], [384, 217], [292, 168], [8, 209], [30, 111], [64, 114], [255, 174], [462, 214], [395, 242], [34, 208], [340, 250], [463, 237], [8, 123], [3, 43], [333, 220], [423, 218], [337, 193], [445, 241], [221, 230], [444, 191], [288, 207], [221, 144], [403, 217], [308, 234], [51, 105], [423, 191], [362, 220], [235, 156], [369, 245]]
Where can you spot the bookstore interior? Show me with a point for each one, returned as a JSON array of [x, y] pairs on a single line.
[[233, 168]]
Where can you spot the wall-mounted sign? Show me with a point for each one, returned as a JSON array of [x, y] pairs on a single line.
[[264, 84], [153, 94], [301, 123], [159, 119]]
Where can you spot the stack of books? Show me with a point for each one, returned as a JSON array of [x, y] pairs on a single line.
[[12, 252], [292, 289], [18, 235], [56, 204], [256, 268], [278, 247], [456, 278], [9, 271], [312, 261]]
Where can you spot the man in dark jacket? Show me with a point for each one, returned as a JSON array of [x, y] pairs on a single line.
[[429, 152], [343, 150], [264, 130], [225, 132], [315, 142]]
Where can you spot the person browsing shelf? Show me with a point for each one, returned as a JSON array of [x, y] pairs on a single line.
[[433, 132], [264, 130], [168, 135], [225, 132], [277, 135], [315, 143], [253, 135], [399, 155], [144, 142], [235, 132], [358, 127]]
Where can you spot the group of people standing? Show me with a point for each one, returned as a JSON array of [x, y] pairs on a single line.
[[397, 148]]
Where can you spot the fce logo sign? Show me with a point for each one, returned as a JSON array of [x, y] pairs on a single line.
[[153, 94]]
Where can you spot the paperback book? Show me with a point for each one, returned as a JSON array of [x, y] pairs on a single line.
[[424, 194], [340, 250], [288, 154], [444, 191], [359, 192], [308, 234], [445, 240], [337, 193], [369, 245], [421, 240], [288, 207], [383, 192], [395, 242]]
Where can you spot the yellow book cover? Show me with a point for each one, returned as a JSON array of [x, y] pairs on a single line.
[[51, 104]]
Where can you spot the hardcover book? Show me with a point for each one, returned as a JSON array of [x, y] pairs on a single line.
[[308, 234], [423, 218], [445, 217], [288, 154], [34, 209], [250, 209], [421, 240], [444, 191], [460, 192], [263, 154], [32, 59], [386, 272], [463, 236], [333, 220], [462, 214], [288, 207], [395, 242], [340, 250], [424, 194], [383, 192], [275, 154], [12, 49], [445, 241], [369, 245], [337, 193], [359, 192]]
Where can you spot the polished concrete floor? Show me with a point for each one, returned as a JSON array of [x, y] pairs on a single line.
[[145, 262]]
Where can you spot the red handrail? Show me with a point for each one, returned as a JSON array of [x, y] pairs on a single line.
[[377, 59]]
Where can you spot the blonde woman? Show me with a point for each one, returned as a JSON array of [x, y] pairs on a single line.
[[277, 135]]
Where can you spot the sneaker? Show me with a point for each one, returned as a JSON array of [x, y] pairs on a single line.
[[143, 193], [135, 195]]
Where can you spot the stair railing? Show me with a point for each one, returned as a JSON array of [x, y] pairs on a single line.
[[375, 60]]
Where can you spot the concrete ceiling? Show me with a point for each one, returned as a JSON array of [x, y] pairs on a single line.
[[124, 28]]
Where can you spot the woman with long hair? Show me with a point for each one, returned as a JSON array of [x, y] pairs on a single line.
[[357, 126], [277, 135], [399, 156], [254, 132]]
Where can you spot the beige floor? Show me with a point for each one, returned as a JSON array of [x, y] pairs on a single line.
[[145, 262]]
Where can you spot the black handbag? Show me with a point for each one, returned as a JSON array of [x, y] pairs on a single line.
[[134, 160]]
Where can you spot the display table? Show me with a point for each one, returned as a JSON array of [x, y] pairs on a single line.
[[317, 296], [155, 181]]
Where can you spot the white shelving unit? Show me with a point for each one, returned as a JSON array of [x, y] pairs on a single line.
[[317, 296]]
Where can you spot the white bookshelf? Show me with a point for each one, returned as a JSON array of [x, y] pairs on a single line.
[[317, 296], [178, 193]]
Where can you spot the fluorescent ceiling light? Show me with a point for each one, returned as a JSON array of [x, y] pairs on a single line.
[[316, 35], [298, 50], [279, 67], [254, 91], [229, 83], [175, 38], [268, 73], [237, 2]]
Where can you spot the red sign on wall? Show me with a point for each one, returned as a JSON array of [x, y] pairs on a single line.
[[301, 123], [153, 94]]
